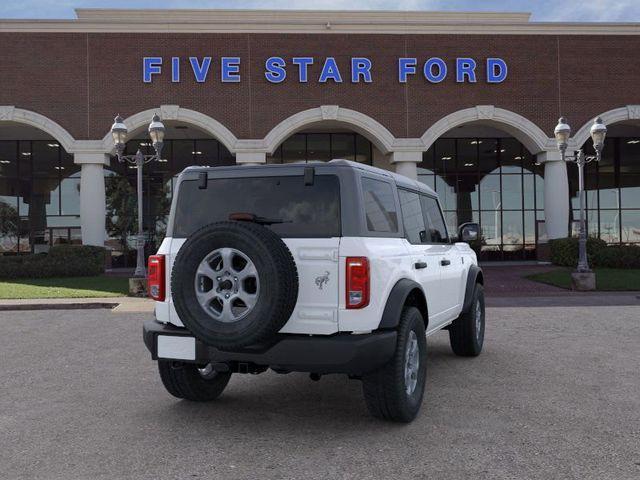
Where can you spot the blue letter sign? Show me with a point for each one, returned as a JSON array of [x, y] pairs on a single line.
[[434, 69], [496, 70], [303, 67], [428, 70], [230, 69], [465, 67], [275, 69], [360, 67], [406, 66], [330, 71], [200, 71], [151, 66]]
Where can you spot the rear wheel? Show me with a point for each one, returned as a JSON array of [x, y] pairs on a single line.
[[466, 333], [188, 381], [395, 391]]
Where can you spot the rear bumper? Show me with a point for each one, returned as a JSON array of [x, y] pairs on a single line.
[[340, 353]]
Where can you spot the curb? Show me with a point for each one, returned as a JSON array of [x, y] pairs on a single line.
[[57, 306]]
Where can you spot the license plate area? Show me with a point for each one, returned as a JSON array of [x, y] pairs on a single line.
[[176, 347]]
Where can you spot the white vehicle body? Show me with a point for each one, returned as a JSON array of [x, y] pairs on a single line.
[[320, 307]]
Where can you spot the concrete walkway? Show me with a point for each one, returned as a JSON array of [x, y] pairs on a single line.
[[117, 304]]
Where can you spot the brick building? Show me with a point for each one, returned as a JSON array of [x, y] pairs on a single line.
[[465, 102]]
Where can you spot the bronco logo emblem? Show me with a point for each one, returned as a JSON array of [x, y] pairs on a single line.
[[322, 280]]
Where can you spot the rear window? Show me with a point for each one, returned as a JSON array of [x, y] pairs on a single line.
[[305, 210]]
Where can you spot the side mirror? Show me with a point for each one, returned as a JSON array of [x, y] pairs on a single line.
[[468, 232]]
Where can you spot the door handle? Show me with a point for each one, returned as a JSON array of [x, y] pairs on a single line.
[[419, 265], [445, 262]]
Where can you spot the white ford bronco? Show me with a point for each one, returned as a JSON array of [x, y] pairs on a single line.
[[323, 268]]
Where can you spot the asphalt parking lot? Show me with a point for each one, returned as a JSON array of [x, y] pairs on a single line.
[[555, 394]]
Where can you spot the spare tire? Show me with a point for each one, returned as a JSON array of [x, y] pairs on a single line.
[[234, 284]]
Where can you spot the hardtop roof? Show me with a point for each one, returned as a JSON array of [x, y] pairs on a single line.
[[398, 179]]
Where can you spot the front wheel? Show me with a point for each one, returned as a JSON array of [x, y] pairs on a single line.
[[466, 333], [395, 391], [188, 381]]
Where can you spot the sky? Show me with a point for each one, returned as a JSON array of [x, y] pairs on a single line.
[[542, 10]]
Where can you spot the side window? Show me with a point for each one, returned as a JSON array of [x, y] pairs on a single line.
[[437, 232], [379, 206], [412, 217]]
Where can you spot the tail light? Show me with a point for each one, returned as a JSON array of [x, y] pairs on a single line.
[[156, 277], [357, 282]]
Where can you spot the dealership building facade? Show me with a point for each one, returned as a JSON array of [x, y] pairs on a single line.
[[464, 102]]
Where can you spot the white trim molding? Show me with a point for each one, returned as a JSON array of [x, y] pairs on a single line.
[[9, 113], [179, 114], [373, 130], [629, 112], [309, 21], [523, 129]]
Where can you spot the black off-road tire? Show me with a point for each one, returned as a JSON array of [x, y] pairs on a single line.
[[385, 391], [277, 273], [183, 380], [465, 334]]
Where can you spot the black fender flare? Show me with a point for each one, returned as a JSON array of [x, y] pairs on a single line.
[[397, 300], [474, 276]]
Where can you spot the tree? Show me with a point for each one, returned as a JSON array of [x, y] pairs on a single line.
[[9, 221], [122, 211]]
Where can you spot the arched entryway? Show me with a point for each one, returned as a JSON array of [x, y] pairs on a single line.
[[39, 184], [329, 132], [486, 170], [185, 145], [612, 186]]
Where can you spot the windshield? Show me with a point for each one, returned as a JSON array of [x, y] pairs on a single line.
[[299, 210]]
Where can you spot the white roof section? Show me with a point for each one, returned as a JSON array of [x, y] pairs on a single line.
[[310, 21]]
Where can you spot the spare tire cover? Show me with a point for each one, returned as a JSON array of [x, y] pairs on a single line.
[[234, 284]]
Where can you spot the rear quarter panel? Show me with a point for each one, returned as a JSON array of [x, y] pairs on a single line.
[[389, 261]]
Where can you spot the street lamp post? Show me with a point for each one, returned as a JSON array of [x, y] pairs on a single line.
[[562, 133], [119, 133]]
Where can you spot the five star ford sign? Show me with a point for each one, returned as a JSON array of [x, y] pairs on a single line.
[[361, 69]]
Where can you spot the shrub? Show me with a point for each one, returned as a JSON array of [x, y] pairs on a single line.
[[618, 256], [61, 261], [564, 251]]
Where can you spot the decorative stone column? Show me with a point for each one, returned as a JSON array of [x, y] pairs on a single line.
[[556, 194], [251, 158], [92, 196], [406, 163]]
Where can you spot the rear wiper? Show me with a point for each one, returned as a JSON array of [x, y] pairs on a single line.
[[251, 217]]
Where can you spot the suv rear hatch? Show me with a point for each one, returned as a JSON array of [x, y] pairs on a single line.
[[304, 210]]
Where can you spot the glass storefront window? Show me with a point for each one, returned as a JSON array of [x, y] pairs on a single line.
[[466, 160], [70, 195], [493, 181], [445, 156], [294, 149], [511, 155], [8, 159], [490, 198], [319, 147], [306, 147], [512, 229], [343, 145], [630, 223], [512, 192], [612, 187], [610, 226], [487, 155]]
